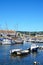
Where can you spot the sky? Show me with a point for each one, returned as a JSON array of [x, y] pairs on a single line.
[[21, 15]]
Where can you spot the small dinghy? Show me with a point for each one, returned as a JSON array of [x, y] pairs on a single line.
[[36, 63]]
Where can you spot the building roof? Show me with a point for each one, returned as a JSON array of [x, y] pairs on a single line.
[[7, 31]]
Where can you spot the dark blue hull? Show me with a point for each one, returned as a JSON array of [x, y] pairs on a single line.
[[34, 50]]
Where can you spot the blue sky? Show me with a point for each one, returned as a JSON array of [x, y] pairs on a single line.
[[22, 15]]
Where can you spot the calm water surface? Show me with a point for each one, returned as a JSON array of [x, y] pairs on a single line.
[[7, 59]]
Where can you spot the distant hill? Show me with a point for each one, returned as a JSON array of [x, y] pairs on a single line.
[[31, 33]]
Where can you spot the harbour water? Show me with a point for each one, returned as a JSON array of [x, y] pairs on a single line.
[[7, 59]]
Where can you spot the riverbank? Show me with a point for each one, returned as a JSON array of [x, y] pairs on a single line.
[[24, 37]]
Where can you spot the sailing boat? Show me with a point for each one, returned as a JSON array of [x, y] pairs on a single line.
[[6, 39]]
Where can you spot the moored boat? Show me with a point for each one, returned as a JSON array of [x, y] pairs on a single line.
[[19, 52], [23, 52], [6, 41], [19, 41], [34, 48], [14, 51], [1, 41]]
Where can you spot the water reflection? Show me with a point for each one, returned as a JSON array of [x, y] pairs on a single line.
[[22, 56]]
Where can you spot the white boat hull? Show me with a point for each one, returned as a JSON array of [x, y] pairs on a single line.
[[6, 41]]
